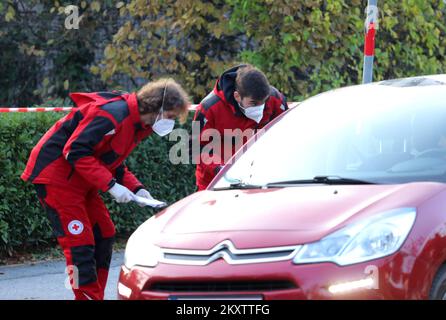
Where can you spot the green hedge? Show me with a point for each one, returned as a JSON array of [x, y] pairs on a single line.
[[22, 220]]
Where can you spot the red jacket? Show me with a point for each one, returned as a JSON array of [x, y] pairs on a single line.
[[220, 111], [88, 146]]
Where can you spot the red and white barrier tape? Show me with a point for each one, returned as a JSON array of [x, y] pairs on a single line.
[[62, 109], [55, 109]]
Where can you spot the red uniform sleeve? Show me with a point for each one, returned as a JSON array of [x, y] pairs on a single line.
[[79, 149], [206, 172], [125, 177]]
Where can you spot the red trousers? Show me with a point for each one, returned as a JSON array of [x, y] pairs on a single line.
[[84, 230]]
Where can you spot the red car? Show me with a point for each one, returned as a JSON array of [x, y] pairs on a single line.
[[342, 197]]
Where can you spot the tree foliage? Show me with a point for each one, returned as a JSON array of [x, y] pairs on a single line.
[[41, 58], [304, 46]]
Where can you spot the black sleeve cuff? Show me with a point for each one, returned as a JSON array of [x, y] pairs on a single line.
[[111, 183], [217, 169], [137, 189]]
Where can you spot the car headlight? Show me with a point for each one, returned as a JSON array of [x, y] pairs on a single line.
[[367, 240], [140, 249]]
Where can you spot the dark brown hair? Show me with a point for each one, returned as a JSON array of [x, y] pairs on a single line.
[[251, 82], [150, 97]]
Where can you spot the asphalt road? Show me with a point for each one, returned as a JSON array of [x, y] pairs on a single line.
[[46, 281]]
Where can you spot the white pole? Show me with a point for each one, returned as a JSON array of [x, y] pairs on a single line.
[[371, 24]]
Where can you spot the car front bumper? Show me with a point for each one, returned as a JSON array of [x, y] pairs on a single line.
[[377, 279]]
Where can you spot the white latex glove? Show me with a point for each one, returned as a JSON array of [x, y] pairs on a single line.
[[121, 193], [143, 193]]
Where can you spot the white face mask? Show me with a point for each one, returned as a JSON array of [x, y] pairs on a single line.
[[163, 126], [254, 113]]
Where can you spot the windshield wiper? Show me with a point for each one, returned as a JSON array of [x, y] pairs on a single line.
[[332, 180], [240, 185]]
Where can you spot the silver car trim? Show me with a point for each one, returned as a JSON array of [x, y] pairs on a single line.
[[227, 251]]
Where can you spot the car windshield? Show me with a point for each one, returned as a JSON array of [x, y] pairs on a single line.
[[353, 137]]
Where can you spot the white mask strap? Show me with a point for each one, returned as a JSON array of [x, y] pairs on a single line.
[[162, 103]]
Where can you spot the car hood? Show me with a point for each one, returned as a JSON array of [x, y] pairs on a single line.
[[279, 216]]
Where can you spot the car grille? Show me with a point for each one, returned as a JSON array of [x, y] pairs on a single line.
[[227, 251], [238, 286]]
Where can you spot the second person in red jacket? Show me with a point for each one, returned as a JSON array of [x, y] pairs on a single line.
[[242, 100], [83, 153]]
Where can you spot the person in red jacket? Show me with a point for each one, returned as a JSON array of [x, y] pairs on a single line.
[[242, 100], [84, 153]]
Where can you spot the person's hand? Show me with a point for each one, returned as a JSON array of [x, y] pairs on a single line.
[[121, 193], [143, 193]]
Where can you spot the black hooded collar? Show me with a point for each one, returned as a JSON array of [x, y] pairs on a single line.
[[226, 83]]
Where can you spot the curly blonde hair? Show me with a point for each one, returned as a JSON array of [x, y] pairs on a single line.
[[150, 98]]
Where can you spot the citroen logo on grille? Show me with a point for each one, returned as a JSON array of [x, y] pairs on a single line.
[[224, 250], [227, 251]]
